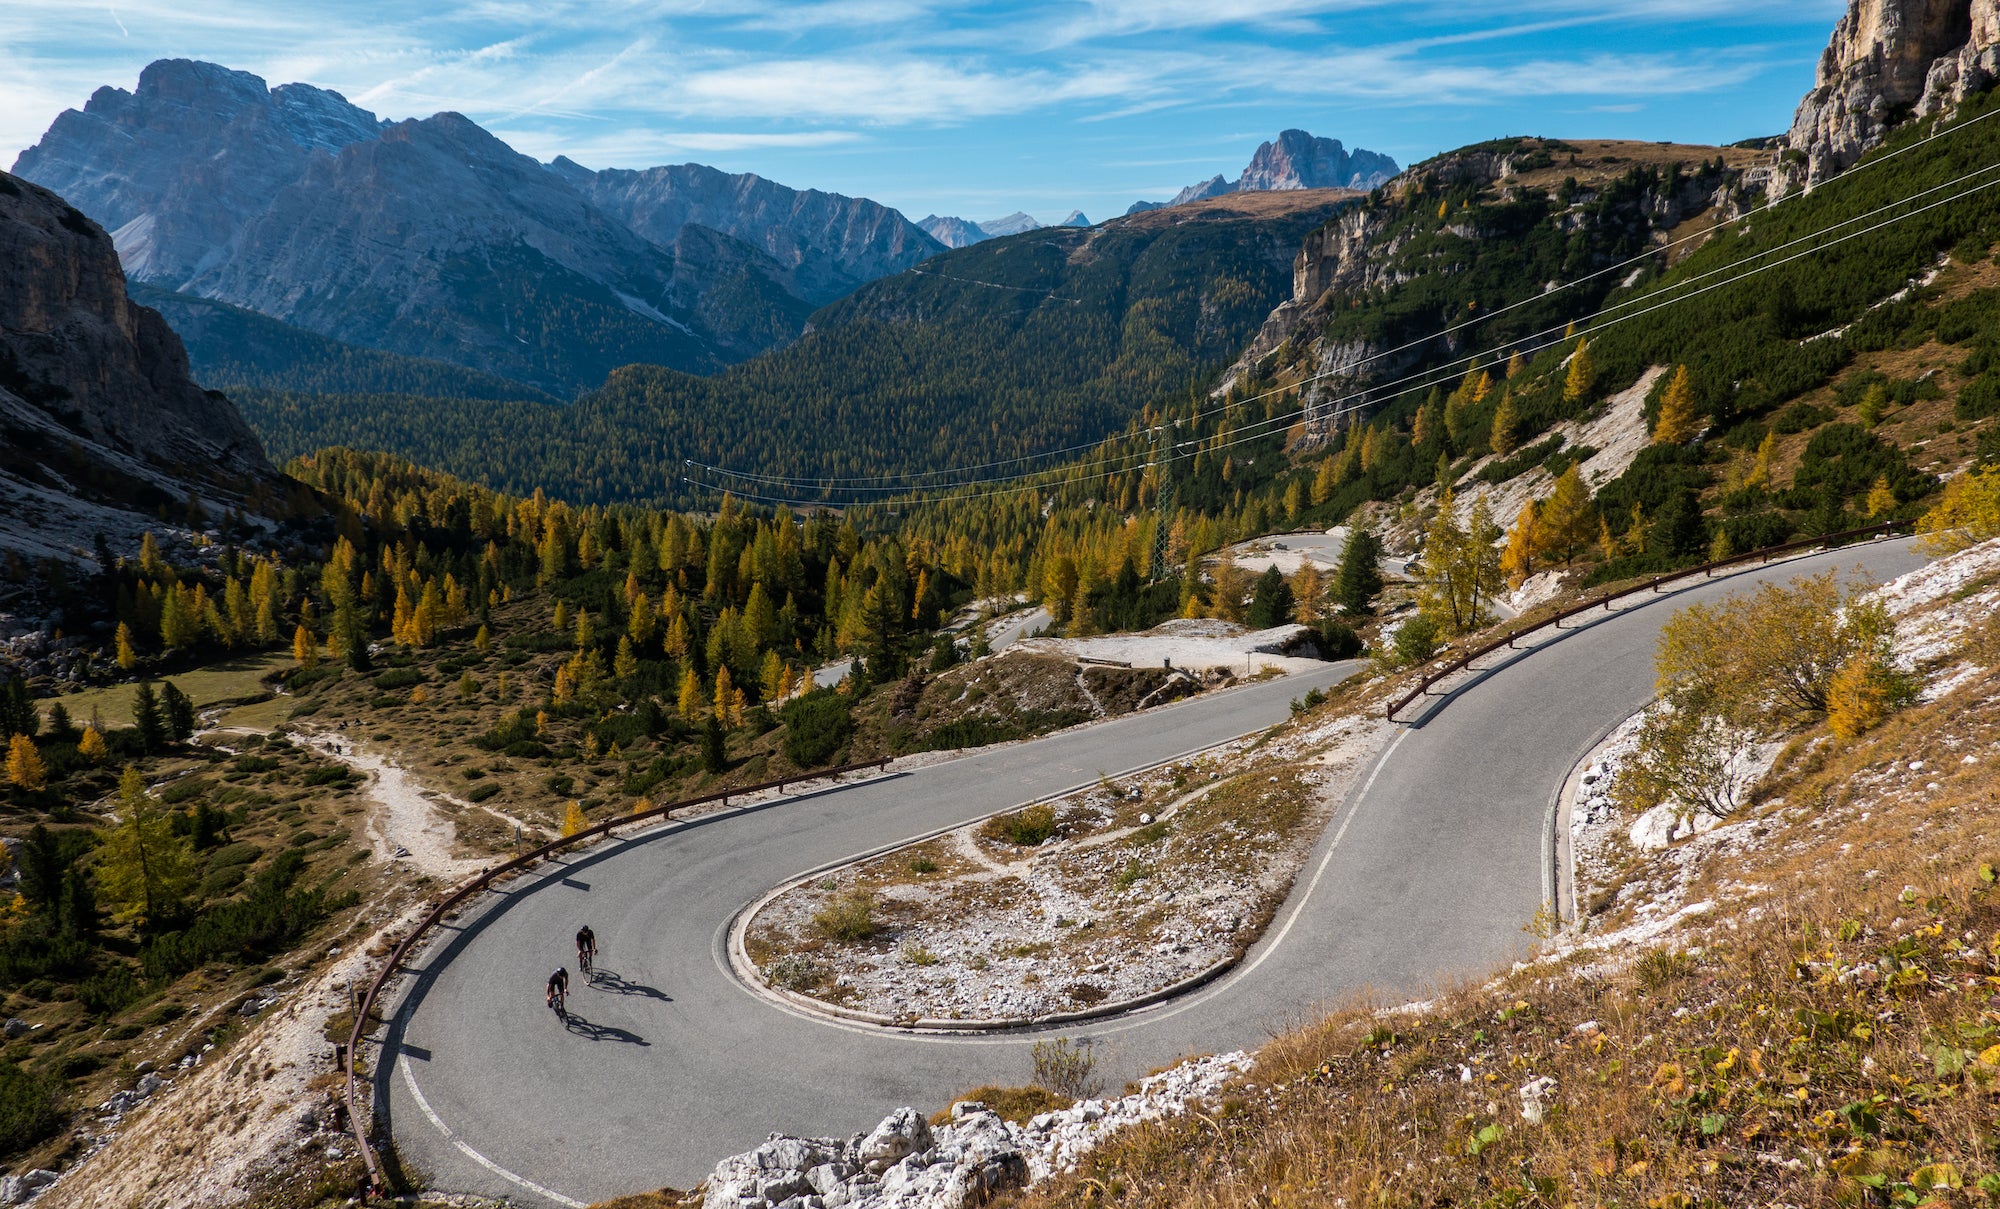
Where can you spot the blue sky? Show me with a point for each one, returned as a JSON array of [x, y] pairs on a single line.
[[974, 109]]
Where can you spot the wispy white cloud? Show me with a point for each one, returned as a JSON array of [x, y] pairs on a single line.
[[914, 83]]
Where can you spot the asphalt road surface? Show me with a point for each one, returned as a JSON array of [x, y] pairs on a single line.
[[1427, 875]]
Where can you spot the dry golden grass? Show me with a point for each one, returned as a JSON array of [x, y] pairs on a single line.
[[1826, 1036]]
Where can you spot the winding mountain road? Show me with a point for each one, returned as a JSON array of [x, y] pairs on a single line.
[[1427, 874]]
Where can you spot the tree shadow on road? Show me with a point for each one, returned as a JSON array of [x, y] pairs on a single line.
[[611, 980], [581, 1027]]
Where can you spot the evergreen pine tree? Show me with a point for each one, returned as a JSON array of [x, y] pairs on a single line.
[[1360, 578], [177, 710], [146, 718], [714, 756], [1271, 602]]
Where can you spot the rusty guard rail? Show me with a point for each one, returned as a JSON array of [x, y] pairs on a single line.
[[1460, 662], [357, 1123]]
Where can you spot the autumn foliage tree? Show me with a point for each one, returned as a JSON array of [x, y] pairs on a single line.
[[143, 869], [1677, 422]]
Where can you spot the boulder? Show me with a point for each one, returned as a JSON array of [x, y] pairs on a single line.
[[901, 1134]]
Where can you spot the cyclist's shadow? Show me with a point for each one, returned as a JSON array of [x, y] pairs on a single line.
[[578, 1026], [604, 979]]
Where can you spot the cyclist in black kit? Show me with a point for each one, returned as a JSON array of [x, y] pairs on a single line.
[[558, 989], [586, 948]]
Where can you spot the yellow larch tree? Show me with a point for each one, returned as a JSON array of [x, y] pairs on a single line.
[[1582, 376], [1677, 422], [25, 769]]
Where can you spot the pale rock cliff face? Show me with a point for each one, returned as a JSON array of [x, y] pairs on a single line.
[[1294, 160], [831, 243], [1297, 160], [99, 423], [1889, 60]]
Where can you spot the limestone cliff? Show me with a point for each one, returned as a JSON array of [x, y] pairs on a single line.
[[100, 426], [1890, 60]]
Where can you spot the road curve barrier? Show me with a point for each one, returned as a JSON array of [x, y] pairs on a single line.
[[1460, 662], [359, 1125]]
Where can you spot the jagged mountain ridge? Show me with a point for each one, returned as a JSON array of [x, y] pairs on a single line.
[[432, 238], [1294, 160], [100, 425], [963, 232], [830, 243]]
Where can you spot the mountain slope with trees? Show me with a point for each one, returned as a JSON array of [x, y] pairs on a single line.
[[1008, 349]]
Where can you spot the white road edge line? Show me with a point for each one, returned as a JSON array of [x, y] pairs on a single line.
[[409, 1078], [1326, 861]]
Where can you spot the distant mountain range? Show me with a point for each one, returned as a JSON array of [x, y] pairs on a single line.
[[963, 232], [1296, 160], [432, 238]]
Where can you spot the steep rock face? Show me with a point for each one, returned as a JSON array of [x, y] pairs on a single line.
[[1297, 160], [1294, 160], [176, 166], [99, 422], [831, 243], [1887, 60]]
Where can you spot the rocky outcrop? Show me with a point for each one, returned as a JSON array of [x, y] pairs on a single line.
[[1294, 160], [906, 1164], [100, 426], [1887, 61], [831, 243]]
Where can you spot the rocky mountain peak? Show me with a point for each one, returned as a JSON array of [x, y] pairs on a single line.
[[175, 167], [1295, 159], [1889, 60]]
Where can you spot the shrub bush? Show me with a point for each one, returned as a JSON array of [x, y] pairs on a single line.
[[1066, 1068], [848, 916], [817, 726], [1024, 828], [30, 1108]]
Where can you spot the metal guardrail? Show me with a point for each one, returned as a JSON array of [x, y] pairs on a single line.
[[1460, 662], [357, 1123]]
